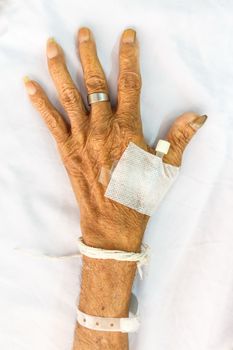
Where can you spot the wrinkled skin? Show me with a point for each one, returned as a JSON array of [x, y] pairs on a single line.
[[96, 138], [88, 141]]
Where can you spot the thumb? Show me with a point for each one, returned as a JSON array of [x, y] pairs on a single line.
[[180, 134]]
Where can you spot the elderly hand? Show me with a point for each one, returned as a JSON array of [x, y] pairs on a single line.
[[96, 138], [93, 140]]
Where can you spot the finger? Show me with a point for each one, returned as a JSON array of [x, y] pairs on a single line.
[[51, 116], [94, 76], [180, 134], [129, 81], [69, 95]]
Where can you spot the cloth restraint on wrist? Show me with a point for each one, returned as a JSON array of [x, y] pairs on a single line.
[[141, 258], [99, 253], [123, 324]]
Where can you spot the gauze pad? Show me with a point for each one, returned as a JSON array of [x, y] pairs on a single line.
[[140, 180]]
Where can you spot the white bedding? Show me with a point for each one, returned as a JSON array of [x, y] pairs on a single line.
[[186, 297]]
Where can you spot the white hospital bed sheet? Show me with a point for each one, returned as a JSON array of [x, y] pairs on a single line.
[[186, 63]]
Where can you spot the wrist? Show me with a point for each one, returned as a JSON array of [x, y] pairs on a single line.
[[106, 287], [108, 232], [106, 284], [105, 291]]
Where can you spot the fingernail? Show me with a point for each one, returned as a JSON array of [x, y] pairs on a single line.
[[129, 36], [29, 85], [52, 48], [84, 34], [198, 122], [26, 78]]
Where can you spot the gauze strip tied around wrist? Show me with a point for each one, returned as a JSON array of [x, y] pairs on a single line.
[[141, 258], [140, 179], [125, 324], [112, 324]]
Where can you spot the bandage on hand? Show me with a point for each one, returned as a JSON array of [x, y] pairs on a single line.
[[140, 179], [96, 138], [88, 140]]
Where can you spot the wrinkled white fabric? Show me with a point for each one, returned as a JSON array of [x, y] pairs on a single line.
[[140, 180], [186, 51]]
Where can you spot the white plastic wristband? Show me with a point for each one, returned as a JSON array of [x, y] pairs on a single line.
[[124, 325]]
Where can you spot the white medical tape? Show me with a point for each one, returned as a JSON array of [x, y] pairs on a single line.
[[100, 253], [112, 324], [140, 180]]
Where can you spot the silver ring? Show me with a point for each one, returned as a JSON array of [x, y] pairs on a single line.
[[97, 97]]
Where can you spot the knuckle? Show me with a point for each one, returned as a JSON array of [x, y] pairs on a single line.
[[41, 104], [180, 138], [57, 64], [49, 117], [130, 81], [186, 135], [51, 120], [128, 122], [129, 54], [69, 96], [95, 82], [55, 68]]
